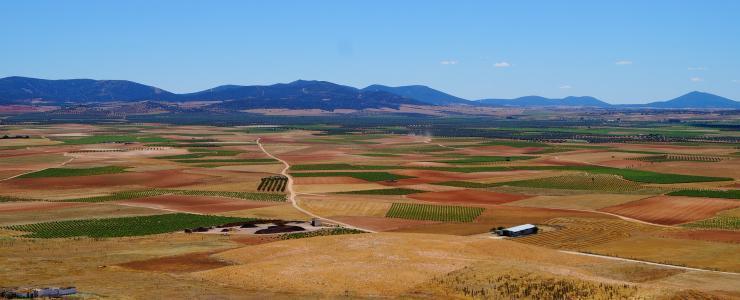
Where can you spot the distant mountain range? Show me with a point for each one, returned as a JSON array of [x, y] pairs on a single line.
[[301, 94]]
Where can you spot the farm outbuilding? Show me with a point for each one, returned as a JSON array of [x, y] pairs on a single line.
[[520, 230]]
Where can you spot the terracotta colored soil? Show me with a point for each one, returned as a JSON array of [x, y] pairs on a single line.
[[381, 223], [196, 204], [327, 180], [155, 179], [6, 207], [724, 236], [468, 196], [671, 210], [178, 264]]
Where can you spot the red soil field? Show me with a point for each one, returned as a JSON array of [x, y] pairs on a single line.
[[8, 207], [430, 176], [380, 223], [178, 264], [327, 180], [468, 196], [195, 204], [670, 210], [724, 236], [154, 179]]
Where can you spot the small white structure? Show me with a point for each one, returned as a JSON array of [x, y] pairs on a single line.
[[519, 230], [315, 222]]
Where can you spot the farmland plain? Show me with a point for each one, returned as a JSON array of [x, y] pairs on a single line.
[[118, 198]]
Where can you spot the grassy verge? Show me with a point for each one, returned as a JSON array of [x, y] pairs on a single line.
[[322, 232]]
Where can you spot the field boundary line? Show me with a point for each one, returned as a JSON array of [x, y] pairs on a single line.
[[292, 194], [39, 170], [647, 262]]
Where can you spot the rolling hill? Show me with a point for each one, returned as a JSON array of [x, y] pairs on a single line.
[[695, 100], [23, 90], [421, 93], [529, 101]]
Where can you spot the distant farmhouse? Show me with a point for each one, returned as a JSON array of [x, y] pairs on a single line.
[[520, 230]]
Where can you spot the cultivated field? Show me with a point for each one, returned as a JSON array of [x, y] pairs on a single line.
[[406, 211]]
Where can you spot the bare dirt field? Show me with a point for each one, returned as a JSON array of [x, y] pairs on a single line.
[[186, 263], [504, 215], [468, 196], [582, 202], [25, 206], [671, 210], [153, 179]]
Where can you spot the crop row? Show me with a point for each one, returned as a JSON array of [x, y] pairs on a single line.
[[120, 227], [718, 222], [678, 157], [273, 184], [443, 213]]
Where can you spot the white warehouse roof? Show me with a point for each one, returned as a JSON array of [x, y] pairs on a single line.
[[520, 227]]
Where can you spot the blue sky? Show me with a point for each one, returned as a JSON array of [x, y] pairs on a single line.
[[618, 51]]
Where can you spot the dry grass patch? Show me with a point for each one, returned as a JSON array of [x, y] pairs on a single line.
[[283, 212], [75, 211], [328, 206]]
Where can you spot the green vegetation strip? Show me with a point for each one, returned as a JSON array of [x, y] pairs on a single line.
[[433, 212], [599, 182], [731, 194], [120, 227], [322, 232], [241, 161], [200, 153], [68, 172], [369, 176], [277, 197], [397, 191], [718, 222]]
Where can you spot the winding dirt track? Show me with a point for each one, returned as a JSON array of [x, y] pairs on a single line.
[[292, 194]]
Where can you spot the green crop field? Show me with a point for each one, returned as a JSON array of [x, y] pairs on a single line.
[[397, 191], [126, 195], [120, 227], [513, 143], [369, 176], [678, 157], [598, 182], [731, 194], [200, 153], [434, 212], [485, 159], [240, 161], [718, 222], [68, 172]]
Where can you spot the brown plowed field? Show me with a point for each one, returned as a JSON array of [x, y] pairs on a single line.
[[178, 264], [430, 176], [7, 207], [196, 204], [468, 196], [724, 236], [670, 210], [155, 179], [381, 223]]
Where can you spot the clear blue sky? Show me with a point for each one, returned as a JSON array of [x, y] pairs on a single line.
[[621, 51]]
